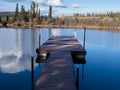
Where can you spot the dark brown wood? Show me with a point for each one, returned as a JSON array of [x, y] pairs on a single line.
[[32, 72], [58, 72]]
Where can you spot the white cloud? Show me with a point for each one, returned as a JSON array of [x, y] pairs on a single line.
[[58, 3], [55, 2], [75, 6], [40, 1], [42, 9], [14, 0]]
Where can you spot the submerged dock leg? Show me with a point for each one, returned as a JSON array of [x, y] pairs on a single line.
[[77, 82], [83, 71], [32, 72]]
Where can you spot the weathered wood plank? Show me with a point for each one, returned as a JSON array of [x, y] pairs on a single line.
[[60, 54], [55, 47], [58, 72]]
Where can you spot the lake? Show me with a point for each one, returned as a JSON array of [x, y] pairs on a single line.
[[17, 46]]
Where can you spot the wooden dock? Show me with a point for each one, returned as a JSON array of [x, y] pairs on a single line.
[[58, 72]]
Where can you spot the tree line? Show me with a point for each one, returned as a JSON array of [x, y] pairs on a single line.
[[109, 19], [28, 15], [22, 14]]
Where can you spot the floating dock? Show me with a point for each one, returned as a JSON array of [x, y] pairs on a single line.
[[58, 72]]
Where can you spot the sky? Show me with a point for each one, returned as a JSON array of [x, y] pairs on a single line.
[[66, 7]]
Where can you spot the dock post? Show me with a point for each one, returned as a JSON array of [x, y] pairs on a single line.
[[83, 71], [32, 72], [77, 78], [84, 37], [39, 39]]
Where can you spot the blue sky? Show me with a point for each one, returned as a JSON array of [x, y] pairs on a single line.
[[67, 7]]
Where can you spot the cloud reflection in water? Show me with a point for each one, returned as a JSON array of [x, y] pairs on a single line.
[[14, 61]]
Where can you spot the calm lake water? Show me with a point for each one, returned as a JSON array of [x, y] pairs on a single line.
[[101, 72]]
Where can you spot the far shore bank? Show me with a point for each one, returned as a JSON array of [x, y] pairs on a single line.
[[12, 25]]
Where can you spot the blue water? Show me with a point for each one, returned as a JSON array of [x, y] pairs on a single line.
[[101, 72]]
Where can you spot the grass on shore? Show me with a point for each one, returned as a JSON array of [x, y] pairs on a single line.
[[65, 26]]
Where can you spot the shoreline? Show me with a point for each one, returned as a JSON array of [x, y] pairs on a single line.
[[27, 25]]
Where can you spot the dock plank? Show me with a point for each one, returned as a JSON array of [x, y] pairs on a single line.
[[60, 54], [55, 47], [58, 72]]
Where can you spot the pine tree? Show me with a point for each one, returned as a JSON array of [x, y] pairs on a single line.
[[33, 12], [16, 15], [39, 15], [50, 12], [27, 16], [37, 11], [22, 13]]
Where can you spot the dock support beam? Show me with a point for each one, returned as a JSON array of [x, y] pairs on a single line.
[[84, 37], [32, 72], [39, 39], [77, 83]]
